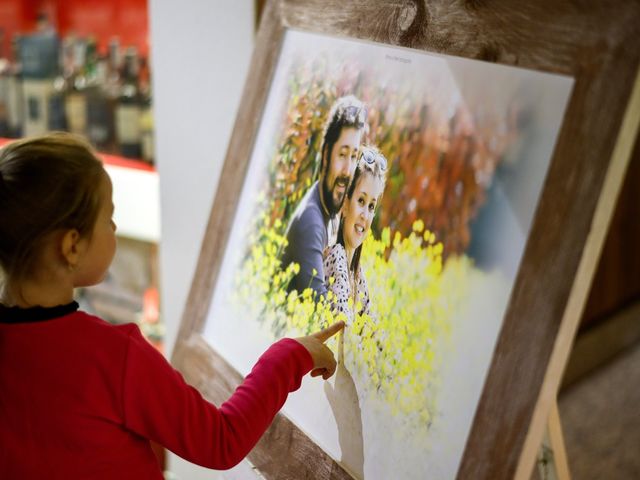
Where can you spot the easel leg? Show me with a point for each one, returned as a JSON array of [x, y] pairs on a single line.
[[552, 459], [557, 443]]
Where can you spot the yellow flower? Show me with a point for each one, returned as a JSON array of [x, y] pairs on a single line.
[[385, 237], [397, 239], [398, 348]]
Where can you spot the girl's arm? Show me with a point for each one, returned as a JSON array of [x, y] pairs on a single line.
[[159, 405]]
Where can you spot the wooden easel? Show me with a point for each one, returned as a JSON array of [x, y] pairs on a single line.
[[547, 401], [552, 461]]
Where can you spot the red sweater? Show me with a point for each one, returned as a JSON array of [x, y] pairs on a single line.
[[80, 398]]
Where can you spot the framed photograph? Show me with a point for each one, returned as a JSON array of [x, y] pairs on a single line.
[[440, 177]]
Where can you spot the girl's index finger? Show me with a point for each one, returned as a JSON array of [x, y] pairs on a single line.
[[330, 331]]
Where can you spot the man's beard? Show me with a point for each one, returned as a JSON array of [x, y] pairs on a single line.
[[332, 203]]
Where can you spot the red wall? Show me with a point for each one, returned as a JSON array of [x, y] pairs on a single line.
[[103, 19]]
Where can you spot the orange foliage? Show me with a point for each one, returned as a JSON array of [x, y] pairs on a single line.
[[440, 165]]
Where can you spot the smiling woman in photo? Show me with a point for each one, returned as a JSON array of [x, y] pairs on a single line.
[[342, 261]]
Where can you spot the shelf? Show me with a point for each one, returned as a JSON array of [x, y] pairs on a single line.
[[136, 196]]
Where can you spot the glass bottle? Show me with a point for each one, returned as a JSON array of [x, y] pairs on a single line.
[[15, 92], [75, 101], [128, 108], [146, 115], [5, 76], [57, 102], [100, 128]]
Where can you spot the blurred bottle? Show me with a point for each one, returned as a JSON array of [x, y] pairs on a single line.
[[129, 107], [43, 24], [100, 127], [112, 85], [75, 99], [38, 54], [146, 115], [15, 94], [61, 86], [5, 75]]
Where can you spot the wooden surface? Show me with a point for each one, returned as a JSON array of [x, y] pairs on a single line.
[[598, 44], [610, 323], [603, 341], [556, 440], [616, 284], [551, 460], [624, 141]]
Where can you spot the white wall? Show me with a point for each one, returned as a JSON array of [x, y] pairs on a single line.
[[200, 55]]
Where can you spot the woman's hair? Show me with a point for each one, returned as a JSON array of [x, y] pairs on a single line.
[[372, 162], [47, 183]]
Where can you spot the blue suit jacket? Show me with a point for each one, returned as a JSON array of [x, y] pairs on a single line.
[[307, 237]]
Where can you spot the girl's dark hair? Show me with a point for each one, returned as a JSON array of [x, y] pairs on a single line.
[[47, 183], [373, 162], [346, 112]]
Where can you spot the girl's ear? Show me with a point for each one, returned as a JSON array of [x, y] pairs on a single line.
[[70, 248]]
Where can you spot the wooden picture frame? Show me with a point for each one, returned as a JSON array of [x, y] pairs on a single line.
[[599, 47]]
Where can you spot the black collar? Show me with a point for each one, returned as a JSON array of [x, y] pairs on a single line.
[[35, 314]]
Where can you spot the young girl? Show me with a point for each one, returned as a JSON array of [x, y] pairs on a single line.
[[342, 260], [80, 398]]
